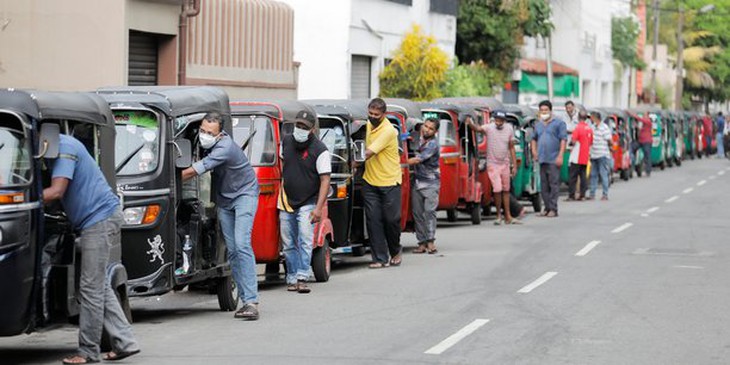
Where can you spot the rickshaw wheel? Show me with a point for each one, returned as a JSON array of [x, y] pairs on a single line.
[[451, 215], [537, 203], [227, 294], [678, 161], [272, 270], [625, 174], [476, 213], [662, 165], [322, 262]]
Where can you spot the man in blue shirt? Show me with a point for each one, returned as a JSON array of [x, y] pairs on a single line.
[[237, 198], [548, 145], [720, 135], [425, 190], [94, 210]]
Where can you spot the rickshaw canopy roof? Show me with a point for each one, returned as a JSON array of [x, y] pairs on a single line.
[[77, 106], [355, 112], [410, 109], [524, 112], [175, 101], [285, 111], [479, 101]]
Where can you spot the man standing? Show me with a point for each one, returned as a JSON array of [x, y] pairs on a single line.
[[600, 153], [572, 116], [548, 145], [582, 139], [381, 188], [720, 121], [707, 130], [94, 210], [306, 181], [425, 191], [501, 162], [237, 193], [645, 141]]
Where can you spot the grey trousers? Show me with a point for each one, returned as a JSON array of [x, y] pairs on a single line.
[[424, 203], [550, 185], [100, 307]]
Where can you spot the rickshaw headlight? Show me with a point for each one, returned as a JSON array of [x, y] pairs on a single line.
[[141, 215], [341, 191]]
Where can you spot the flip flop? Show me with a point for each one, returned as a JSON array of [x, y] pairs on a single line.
[[513, 221], [498, 222], [79, 359], [420, 249], [378, 265], [115, 356], [396, 261], [248, 312]]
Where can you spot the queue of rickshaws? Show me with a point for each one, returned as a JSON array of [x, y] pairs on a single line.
[[39, 261]]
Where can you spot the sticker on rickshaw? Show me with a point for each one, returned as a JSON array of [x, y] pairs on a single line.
[[157, 248]]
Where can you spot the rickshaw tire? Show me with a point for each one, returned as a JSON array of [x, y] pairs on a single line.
[[476, 213], [537, 203], [359, 251], [272, 271], [322, 262], [678, 161], [625, 174], [662, 165], [451, 215], [227, 301]]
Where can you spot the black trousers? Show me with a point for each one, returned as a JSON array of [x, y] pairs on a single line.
[[550, 185], [382, 212], [577, 172]]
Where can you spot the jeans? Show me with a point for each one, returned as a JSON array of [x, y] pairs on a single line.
[[100, 307], [550, 185], [424, 202], [646, 147], [382, 211], [708, 145], [720, 145], [297, 236], [236, 226], [599, 169], [577, 172]]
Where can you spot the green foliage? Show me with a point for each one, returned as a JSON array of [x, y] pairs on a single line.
[[474, 79], [624, 34], [418, 70]]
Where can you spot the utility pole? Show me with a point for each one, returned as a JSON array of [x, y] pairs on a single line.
[[679, 87], [655, 6], [549, 69]]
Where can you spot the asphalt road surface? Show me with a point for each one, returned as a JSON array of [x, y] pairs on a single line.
[[639, 279]]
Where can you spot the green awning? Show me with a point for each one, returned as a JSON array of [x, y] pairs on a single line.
[[564, 85]]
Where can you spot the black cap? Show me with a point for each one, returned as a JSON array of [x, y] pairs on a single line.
[[499, 114], [305, 118]]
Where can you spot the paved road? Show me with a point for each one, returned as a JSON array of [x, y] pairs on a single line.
[[640, 279]]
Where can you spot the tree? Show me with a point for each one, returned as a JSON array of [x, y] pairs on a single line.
[[418, 69], [474, 79], [624, 34]]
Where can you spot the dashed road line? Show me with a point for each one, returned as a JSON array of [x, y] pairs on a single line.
[[671, 199], [652, 209], [541, 280], [688, 267], [703, 182], [712, 177], [687, 191], [585, 250], [721, 173], [622, 228], [456, 337]]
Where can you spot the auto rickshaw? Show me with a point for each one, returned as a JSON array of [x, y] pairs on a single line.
[[259, 128], [617, 120], [526, 182], [659, 134], [689, 127], [484, 107], [674, 139], [39, 262], [460, 187], [157, 130]]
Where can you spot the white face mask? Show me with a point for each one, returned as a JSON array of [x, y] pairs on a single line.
[[545, 116], [300, 135], [206, 140]]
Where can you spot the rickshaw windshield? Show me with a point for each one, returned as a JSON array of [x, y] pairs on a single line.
[[137, 146], [447, 131], [15, 155], [332, 134], [255, 134]]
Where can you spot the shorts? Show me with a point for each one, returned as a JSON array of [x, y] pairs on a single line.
[[499, 175]]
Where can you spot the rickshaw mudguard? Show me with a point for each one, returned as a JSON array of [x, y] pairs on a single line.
[[322, 230]]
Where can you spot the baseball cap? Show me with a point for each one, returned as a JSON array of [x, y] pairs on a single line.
[[305, 118], [499, 114]]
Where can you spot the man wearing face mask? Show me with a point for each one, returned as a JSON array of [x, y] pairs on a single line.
[[425, 191], [306, 180], [237, 192], [571, 116], [548, 145], [381, 188]]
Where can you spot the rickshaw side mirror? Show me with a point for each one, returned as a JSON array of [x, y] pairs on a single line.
[[359, 154], [184, 155], [48, 141]]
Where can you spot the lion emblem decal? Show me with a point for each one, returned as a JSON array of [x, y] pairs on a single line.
[[157, 248]]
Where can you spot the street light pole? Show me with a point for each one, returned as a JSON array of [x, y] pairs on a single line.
[[549, 66], [655, 6], [679, 87]]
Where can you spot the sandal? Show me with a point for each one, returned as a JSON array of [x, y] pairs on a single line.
[[420, 249], [552, 214], [292, 287], [249, 312], [513, 221], [498, 222], [378, 265], [79, 359], [302, 287], [114, 356], [432, 248], [396, 260]]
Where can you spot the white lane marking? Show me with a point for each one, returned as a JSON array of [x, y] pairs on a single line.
[[456, 337], [727, 168], [585, 250], [644, 215], [541, 280], [688, 190], [671, 199], [712, 177], [622, 228], [703, 182], [652, 209], [688, 267], [721, 173]]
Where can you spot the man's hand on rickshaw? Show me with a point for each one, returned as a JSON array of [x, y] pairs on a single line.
[[315, 216]]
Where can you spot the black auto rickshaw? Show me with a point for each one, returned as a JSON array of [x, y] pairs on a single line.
[[157, 130], [39, 263]]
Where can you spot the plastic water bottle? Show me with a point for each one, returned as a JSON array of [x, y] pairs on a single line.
[[187, 254]]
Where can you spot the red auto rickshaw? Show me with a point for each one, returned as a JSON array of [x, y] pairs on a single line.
[[460, 186], [259, 127], [617, 120]]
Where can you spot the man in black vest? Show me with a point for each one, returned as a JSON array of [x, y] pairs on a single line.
[[306, 179]]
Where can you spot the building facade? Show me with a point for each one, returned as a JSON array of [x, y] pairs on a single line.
[[343, 45]]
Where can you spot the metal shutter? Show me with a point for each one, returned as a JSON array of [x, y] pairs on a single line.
[[360, 77], [142, 68]]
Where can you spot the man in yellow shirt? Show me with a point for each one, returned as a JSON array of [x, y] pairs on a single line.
[[382, 187]]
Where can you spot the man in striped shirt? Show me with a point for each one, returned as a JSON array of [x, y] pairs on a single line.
[[600, 156]]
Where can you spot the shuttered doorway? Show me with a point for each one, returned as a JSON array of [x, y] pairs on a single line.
[[143, 51], [360, 77]]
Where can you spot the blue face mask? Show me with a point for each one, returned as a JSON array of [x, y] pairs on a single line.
[[300, 135]]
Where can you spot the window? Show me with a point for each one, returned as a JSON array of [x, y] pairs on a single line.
[[332, 134], [360, 77], [447, 133], [257, 133], [447, 7], [137, 146], [404, 2], [15, 155]]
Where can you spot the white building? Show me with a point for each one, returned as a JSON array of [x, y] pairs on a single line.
[[342, 45], [581, 40]]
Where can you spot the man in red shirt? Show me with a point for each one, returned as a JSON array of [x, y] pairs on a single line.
[[645, 141], [581, 141], [707, 131]]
